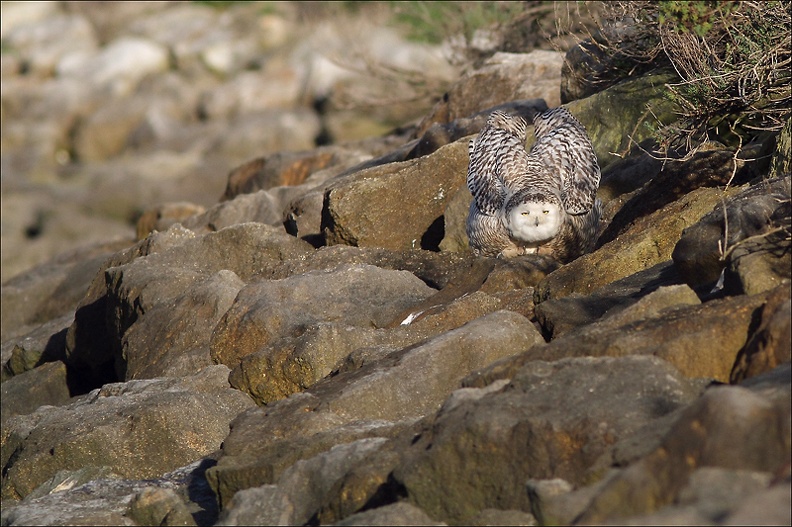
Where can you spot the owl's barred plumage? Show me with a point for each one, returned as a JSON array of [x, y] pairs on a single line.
[[543, 201]]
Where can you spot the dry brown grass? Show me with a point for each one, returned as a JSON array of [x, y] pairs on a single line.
[[732, 58]]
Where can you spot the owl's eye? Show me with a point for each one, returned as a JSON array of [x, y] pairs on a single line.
[[545, 212], [525, 213]]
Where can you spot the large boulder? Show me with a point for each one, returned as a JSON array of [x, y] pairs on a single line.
[[649, 241], [482, 448], [721, 429], [357, 295], [380, 399], [362, 209], [140, 429], [745, 227], [503, 77]]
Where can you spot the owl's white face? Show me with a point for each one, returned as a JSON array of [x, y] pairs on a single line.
[[534, 222]]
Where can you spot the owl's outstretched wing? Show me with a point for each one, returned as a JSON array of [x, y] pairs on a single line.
[[497, 157], [563, 146]]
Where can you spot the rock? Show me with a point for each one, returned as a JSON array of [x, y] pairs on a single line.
[[46, 343], [281, 168], [51, 290], [401, 513], [251, 91], [158, 506], [139, 429], [380, 399], [299, 490], [699, 340], [253, 134], [45, 385], [475, 455], [697, 255], [174, 339], [360, 209], [499, 517], [259, 207], [120, 66], [503, 77], [455, 237], [96, 496], [361, 295], [167, 279], [721, 429], [710, 168], [39, 227], [437, 270], [161, 217], [650, 241], [765, 507], [628, 174], [771, 343], [22, 13], [43, 43], [87, 337], [638, 296], [638, 101], [414, 381], [716, 492], [293, 429], [105, 133]]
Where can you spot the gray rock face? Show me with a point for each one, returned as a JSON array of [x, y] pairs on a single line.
[[140, 430], [96, 496], [348, 217], [540, 424], [724, 231], [716, 431], [360, 295], [401, 387]]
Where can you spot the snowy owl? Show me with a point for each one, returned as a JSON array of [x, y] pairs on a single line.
[[543, 201]]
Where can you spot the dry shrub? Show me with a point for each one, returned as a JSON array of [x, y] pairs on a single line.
[[732, 58]]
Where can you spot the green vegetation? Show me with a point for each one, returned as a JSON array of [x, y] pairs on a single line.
[[432, 22], [696, 17], [733, 60]]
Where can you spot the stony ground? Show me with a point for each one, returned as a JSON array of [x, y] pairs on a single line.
[[267, 313]]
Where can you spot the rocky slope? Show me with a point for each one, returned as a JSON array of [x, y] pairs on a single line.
[[319, 346]]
